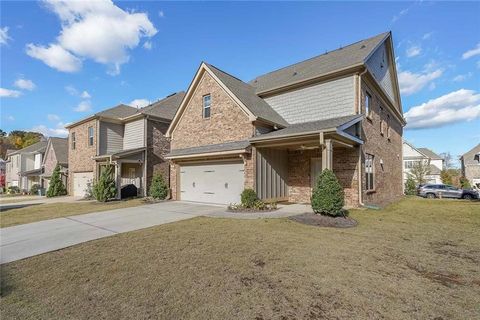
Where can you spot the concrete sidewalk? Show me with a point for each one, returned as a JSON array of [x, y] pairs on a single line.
[[20, 202], [31, 239]]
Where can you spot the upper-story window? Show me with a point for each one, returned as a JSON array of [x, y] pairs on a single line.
[[369, 172], [368, 104], [90, 136], [206, 106], [388, 126], [73, 140], [382, 122]]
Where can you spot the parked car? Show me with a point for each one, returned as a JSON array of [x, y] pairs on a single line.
[[432, 191]]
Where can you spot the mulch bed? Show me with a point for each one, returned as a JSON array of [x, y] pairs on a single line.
[[319, 220], [251, 210]]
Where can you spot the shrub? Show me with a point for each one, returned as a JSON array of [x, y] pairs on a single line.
[[158, 189], [328, 196], [464, 183], [56, 187], [248, 198], [104, 189], [410, 187], [13, 190], [34, 189]]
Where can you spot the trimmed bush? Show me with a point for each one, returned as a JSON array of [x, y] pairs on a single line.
[[56, 187], [158, 189], [328, 196], [13, 190], [34, 189], [248, 198], [410, 187], [104, 189]]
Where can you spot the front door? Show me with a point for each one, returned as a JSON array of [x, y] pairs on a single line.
[[315, 170]]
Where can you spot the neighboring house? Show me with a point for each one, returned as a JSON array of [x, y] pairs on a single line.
[[24, 166], [3, 167], [339, 111], [131, 139], [55, 153], [413, 156], [471, 165]]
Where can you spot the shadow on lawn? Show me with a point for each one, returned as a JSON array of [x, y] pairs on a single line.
[[17, 206]]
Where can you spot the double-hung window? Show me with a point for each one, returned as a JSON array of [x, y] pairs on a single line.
[[388, 126], [206, 106], [369, 172], [368, 102], [90, 136], [73, 141]]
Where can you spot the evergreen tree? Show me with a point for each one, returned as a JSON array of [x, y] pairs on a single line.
[[158, 189], [328, 196], [105, 189], [410, 187], [56, 187]]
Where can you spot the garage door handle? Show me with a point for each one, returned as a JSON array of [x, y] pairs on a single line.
[[193, 184], [226, 185]]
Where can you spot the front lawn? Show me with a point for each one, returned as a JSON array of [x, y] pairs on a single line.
[[32, 213], [418, 259]]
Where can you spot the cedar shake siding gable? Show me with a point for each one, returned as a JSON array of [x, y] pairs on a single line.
[[228, 121]]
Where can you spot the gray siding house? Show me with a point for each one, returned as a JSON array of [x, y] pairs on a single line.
[[471, 165]]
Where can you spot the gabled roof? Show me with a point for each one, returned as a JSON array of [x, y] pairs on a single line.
[[429, 153], [60, 147], [246, 94], [165, 108], [434, 169], [38, 147], [118, 112], [471, 156], [352, 55], [311, 127]]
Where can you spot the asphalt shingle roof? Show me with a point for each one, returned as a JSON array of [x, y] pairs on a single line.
[[118, 112], [470, 156], [227, 146], [306, 127], [165, 108], [429, 153], [36, 147], [434, 169], [60, 147], [246, 93], [348, 56]]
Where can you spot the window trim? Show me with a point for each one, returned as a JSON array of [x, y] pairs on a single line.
[[369, 157], [90, 143], [205, 107], [388, 127], [73, 141], [368, 106]]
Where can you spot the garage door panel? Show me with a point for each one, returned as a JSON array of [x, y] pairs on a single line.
[[213, 183], [81, 183]]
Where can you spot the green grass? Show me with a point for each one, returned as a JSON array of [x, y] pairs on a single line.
[[417, 259], [46, 211]]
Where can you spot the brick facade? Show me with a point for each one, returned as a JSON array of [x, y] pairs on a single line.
[[389, 176], [49, 162], [157, 147], [227, 120], [80, 159]]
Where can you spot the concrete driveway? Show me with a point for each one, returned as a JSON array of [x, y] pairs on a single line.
[[31, 239], [25, 201]]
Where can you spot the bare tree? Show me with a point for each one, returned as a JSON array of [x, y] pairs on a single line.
[[420, 170], [447, 160]]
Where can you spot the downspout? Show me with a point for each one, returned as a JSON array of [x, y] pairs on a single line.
[[359, 105]]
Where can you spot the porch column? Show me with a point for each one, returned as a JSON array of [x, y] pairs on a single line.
[[118, 173], [327, 155]]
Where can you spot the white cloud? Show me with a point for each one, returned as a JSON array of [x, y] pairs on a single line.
[[53, 117], [413, 82], [147, 45], [59, 130], [55, 57], [71, 90], [7, 93], [400, 14], [97, 30], [85, 95], [10, 118], [461, 105], [83, 106], [4, 35], [427, 35], [462, 77], [161, 14], [472, 52], [139, 103], [413, 51], [24, 84]]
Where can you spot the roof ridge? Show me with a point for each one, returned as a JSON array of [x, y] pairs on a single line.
[[319, 55], [162, 100], [228, 74]]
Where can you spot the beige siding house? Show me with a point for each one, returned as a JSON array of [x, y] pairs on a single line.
[[132, 140], [413, 156], [276, 133]]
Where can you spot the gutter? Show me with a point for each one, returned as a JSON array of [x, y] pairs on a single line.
[[360, 175]]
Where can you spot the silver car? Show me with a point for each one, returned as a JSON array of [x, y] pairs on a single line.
[[445, 191]]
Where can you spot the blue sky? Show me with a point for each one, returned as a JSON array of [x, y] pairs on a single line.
[[63, 61]]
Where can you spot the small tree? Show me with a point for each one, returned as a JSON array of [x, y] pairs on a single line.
[[104, 189], [464, 183], [328, 196], [446, 176], [419, 172], [56, 187], [158, 189], [410, 187], [248, 198]]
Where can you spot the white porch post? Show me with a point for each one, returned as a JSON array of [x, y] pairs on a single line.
[[327, 153], [118, 173]]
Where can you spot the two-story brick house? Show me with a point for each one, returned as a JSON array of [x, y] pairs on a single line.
[[340, 110], [132, 140], [56, 153]]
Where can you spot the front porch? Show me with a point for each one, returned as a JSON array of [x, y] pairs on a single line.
[[287, 166]]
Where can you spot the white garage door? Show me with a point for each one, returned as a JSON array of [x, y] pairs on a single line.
[[81, 183], [219, 183]]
